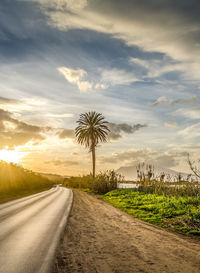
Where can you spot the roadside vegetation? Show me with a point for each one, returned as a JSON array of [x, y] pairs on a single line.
[[16, 182], [174, 205], [180, 213], [101, 184]]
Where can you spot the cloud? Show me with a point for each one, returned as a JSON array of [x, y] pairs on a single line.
[[117, 129], [58, 162], [66, 133], [188, 113], [171, 124], [164, 100], [14, 132], [160, 100], [67, 115], [149, 156], [192, 131], [101, 86], [184, 100], [153, 26], [72, 75], [84, 86], [118, 77], [76, 76], [156, 68], [13, 105], [167, 161], [4, 100], [62, 5]]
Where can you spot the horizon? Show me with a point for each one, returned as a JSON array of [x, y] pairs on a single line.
[[135, 62]]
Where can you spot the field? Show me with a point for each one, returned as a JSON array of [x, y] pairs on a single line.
[[180, 213]]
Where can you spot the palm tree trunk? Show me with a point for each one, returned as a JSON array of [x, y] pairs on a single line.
[[93, 160]]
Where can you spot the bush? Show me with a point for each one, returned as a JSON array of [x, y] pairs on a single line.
[[106, 181], [103, 182], [80, 182]]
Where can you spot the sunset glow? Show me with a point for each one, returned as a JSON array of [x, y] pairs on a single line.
[[135, 63], [10, 156]]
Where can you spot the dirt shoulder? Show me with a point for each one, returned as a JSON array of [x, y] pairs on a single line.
[[100, 238]]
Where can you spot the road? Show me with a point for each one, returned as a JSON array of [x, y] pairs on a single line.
[[30, 230]]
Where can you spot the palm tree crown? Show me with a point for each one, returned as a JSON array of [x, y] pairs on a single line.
[[91, 130]]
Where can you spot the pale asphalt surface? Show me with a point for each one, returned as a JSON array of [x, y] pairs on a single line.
[[30, 230]]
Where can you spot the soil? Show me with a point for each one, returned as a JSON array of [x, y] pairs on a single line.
[[100, 238]]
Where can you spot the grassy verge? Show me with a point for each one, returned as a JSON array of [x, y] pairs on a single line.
[[179, 213], [6, 197]]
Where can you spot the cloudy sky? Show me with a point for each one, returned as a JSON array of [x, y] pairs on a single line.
[[136, 62]]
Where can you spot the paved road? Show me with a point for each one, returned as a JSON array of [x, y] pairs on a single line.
[[30, 230]]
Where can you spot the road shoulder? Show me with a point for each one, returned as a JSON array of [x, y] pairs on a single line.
[[101, 238]]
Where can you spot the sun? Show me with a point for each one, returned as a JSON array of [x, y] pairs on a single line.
[[10, 156]]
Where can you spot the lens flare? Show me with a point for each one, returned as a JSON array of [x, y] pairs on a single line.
[[10, 156]]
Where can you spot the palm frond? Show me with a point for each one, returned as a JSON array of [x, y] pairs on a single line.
[[92, 129]]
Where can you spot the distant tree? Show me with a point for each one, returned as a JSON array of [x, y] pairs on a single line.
[[91, 130], [194, 166]]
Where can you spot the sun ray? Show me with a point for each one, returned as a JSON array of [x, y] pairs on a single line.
[[10, 156]]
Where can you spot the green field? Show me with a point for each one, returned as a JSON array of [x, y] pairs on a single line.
[[180, 213]]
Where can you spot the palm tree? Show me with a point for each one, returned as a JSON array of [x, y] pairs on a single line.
[[90, 131]]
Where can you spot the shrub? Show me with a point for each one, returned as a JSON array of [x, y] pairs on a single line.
[[106, 181], [103, 182]]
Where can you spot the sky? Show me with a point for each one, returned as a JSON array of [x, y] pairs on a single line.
[[136, 62]]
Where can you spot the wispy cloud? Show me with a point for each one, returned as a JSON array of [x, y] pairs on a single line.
[[172, 102], [156, 68], [160, 100], [171, 124], [64, 162], [184, 100], [192, 131], [118, 77], [133, 157], [66, 133], [64, 115], [188, 113], [76, 76], [136, 24]]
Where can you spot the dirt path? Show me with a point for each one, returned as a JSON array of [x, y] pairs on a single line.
[[100, 238]]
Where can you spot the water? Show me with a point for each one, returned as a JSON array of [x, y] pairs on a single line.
[[128, 186], [135, 186]]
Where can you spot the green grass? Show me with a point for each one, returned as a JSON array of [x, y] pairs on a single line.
[[180, 213]]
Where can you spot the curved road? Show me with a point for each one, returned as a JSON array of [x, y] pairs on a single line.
[[30, 230]]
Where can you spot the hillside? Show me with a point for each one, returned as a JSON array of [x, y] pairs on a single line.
[[15, 181], [130, 172]]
